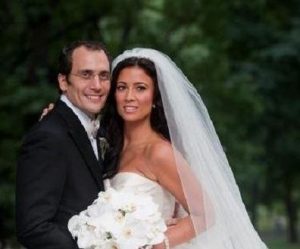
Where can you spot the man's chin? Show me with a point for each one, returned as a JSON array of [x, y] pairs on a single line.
[[94, 111]]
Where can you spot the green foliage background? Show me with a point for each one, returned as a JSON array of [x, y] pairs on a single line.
[[243, 56]]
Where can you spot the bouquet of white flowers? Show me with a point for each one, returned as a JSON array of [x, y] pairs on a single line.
[[118, 219]]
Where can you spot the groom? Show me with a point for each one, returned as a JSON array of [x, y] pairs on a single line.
[[59, 172]]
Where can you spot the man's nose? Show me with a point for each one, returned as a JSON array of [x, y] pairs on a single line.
[[96, 82]]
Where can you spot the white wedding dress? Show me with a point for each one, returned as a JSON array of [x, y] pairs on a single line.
[[164, 200]]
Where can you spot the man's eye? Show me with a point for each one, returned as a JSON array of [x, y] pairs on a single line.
[[85, 75], [104, 76]]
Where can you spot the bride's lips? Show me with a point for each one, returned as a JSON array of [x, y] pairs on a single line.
[[130, 109]]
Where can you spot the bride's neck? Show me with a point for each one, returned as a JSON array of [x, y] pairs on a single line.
[[136, 133]]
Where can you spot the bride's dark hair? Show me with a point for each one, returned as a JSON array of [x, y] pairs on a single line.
[[112, 123]]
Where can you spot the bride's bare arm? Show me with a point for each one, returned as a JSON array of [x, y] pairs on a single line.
[[164, 164]]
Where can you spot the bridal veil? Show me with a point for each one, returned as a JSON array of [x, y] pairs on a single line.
[[215, 204]]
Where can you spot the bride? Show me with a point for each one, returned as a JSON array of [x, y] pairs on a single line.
[[163, 143]]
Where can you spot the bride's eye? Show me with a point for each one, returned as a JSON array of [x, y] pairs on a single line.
[[141, 88], [120, 88]]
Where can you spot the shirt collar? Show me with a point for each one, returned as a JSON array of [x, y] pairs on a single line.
[[87, 122]]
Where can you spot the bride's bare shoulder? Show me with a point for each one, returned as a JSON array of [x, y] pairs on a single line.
[[161, 154]]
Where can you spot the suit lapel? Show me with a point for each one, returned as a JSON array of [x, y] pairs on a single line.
[[79, 136]]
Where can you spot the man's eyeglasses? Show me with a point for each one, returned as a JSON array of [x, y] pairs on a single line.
[[90, 75]]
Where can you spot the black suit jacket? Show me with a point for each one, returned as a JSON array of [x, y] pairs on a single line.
[[58, 176]]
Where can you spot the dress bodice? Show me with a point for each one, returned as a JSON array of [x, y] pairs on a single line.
[[161, 197], [164, 199]]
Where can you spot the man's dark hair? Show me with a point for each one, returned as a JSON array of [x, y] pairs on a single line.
[[65, 57]]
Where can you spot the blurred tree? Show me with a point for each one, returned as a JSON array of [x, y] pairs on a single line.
[[280, 65], [265, 46]]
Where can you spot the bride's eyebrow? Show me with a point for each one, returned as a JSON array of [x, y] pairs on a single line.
[[141, 83], [138, 83]]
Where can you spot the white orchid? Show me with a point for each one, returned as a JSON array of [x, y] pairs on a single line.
[[124, 219]]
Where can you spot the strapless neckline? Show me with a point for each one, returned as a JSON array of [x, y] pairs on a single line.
[[133, 181], [124, 173], [136, 182]]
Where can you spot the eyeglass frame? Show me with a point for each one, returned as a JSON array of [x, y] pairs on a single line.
[[88, 75]]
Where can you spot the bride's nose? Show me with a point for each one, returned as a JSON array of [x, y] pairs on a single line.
[[129, 94]]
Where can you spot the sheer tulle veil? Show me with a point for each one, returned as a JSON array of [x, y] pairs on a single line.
[[219, 215]]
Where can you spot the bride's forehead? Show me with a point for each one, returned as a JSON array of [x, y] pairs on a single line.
[[133, 71], [134, 74]]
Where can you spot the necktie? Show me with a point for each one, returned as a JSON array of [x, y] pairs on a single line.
[[93, 127]]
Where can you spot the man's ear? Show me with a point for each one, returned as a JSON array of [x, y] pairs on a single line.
[[62, 81]]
